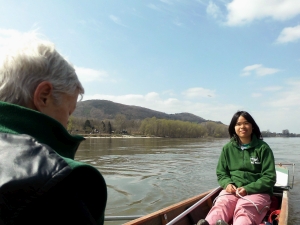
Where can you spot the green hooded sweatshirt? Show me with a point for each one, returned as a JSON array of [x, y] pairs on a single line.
[[252, 168]]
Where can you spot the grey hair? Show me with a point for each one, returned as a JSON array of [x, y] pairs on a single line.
[[31, 63]]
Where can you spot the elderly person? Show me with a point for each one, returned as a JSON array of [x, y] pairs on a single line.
[[40, 183]]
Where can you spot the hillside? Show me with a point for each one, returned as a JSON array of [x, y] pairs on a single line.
[[103, 109]]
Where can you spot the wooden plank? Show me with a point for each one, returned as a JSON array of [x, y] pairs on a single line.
[[159, 216], [284, 211], [199, 204]]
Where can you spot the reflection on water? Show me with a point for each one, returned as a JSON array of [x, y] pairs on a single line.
[[147, 174]]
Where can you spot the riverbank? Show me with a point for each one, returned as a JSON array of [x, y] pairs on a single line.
[[116, 136], [140, 136], [135, 136]]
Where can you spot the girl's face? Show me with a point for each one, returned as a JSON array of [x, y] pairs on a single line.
[[243, 129]]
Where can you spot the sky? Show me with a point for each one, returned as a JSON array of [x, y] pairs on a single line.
[[210, 58]]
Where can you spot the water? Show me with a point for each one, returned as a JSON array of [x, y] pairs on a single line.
[[144, 175]]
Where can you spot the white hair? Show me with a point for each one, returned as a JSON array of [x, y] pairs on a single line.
[[30, 61]]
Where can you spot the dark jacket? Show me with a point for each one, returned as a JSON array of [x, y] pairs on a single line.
[[252, 168], [40, 182]]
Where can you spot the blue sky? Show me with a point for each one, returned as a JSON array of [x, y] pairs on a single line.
[[209, 58]]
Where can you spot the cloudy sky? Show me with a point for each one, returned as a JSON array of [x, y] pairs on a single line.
[[206, 57]]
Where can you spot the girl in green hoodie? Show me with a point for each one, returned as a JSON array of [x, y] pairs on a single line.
[[246, 171]]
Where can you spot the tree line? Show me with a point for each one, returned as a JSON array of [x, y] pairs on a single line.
[[182, 129], [147, 127]]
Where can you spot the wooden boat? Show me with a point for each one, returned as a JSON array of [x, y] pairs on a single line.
[[190, 211]]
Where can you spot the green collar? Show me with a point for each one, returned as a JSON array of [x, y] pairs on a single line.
[[245, 146], [15, 119]]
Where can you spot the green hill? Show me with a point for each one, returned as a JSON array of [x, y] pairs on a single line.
[[107, 110]]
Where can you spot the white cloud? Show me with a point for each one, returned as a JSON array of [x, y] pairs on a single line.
[[177, 23], [116, 20], [11, 40], [247, 70], [152, 6], [259, 70], [284, 110], [278, 119], [289, 98], [169, 92], [241, 11], [169, 2], [152, 96], [256, 95], [272, 88], [289, 34], [203, 2], [8, 33], [6, 36], [213, 10], [266, 71], [198, 93], [90, 75]]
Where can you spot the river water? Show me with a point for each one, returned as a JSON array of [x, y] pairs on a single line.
[[144, 175]]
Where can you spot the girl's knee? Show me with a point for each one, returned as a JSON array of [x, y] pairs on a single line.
[[243, 217]]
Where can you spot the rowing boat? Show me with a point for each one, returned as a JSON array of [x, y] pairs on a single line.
[[191, 210]]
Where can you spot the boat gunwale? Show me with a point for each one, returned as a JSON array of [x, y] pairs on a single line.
[[161, 212], [284, 209]]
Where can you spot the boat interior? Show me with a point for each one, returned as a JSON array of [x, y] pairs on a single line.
[[277, 208]]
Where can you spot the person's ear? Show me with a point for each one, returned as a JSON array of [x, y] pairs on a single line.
[[42, 95]]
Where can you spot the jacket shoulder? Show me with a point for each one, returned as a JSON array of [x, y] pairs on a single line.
[[22, 157], [229, 145], [31, 171]]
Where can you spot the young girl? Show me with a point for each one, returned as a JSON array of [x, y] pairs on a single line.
[[246, 171]]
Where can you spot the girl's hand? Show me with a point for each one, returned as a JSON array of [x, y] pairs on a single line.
[[241, 191], [230, 188]]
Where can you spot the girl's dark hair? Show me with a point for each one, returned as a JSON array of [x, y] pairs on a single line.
[[248, 117]]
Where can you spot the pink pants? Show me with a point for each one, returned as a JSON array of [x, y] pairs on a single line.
[[228, 207]]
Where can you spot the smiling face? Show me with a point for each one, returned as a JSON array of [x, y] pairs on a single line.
[[243, 129]]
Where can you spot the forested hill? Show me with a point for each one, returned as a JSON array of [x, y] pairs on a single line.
[[107, 110]]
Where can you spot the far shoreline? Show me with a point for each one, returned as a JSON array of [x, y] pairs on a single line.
[[123, 136], [92, 136]]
